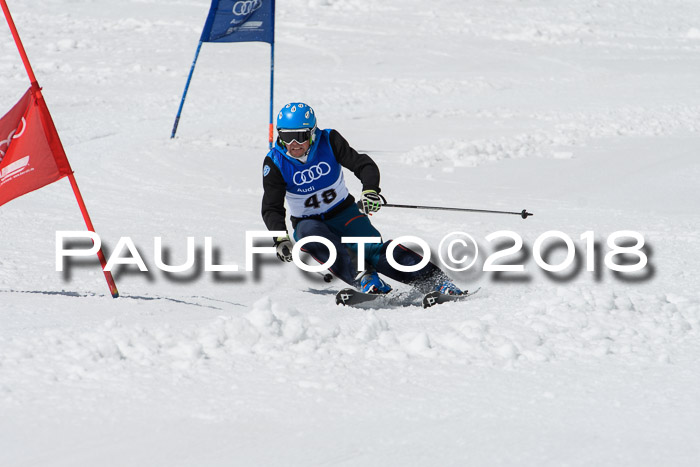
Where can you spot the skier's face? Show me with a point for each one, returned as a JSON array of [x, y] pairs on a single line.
[[296, 149]]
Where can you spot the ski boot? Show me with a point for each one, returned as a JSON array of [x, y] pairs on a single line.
[[372, 284], [446, 287]]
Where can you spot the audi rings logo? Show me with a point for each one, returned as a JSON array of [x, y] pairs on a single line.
[[312, 173], [246, 7]]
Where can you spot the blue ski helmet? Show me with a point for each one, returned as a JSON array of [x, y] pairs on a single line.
[[296, 115]]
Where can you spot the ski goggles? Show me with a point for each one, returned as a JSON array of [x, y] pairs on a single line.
[[300, 136]]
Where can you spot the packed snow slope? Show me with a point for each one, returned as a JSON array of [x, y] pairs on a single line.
[[585, 112]]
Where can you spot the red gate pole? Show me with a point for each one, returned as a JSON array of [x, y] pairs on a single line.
[[36, 89]]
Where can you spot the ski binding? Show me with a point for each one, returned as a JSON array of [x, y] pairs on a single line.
[[354, 297], [436, 298]]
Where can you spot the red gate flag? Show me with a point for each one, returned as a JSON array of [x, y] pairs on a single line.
[[31, 155]]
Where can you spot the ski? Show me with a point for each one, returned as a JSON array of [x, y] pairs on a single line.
[[352, 297], [436, 298]]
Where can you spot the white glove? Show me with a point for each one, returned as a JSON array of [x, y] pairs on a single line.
[[370, 201], [284, 248]]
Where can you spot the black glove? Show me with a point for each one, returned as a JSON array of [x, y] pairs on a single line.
[[284, 248], [370, 201]]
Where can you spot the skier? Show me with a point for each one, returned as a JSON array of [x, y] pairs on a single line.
[[306, 166]]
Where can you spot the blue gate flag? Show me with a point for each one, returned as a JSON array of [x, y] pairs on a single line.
[[240, 21], [237, 21]]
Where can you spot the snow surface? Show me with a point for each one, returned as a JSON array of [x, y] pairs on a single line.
[[585, 112]]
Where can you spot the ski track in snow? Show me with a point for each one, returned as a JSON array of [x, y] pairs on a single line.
[[572, 324]]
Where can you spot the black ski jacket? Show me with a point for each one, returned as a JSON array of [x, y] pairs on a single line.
[[274, 185]]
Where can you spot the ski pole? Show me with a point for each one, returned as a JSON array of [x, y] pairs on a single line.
[[327, 276], [524, 214]]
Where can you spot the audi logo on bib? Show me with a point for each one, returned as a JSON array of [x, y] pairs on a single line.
[[312, 173]]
